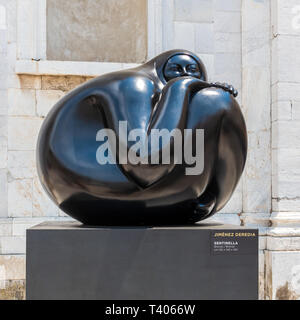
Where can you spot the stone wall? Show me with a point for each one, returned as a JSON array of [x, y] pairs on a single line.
[[30, 98], [256, 101], [253, 45], [12, 264], [102, 30], [283, 248]]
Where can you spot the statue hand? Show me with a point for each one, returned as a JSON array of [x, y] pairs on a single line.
[[226, 87]]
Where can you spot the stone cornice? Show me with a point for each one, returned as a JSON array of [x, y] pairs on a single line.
[[68, 68]]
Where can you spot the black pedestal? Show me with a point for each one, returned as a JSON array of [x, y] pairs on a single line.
[[206, 261]]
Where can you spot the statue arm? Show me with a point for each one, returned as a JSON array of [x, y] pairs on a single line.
[[171, 110], [226, 87]]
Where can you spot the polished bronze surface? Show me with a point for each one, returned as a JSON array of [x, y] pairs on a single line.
[[169, 92]]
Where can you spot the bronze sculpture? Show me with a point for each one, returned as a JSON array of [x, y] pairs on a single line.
[[169, 92]]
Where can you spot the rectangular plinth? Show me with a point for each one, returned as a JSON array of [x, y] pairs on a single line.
[[205, 261]]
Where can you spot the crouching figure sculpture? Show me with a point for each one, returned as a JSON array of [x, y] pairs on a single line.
[[156, 144]]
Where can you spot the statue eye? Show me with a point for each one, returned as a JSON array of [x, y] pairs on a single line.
[[175, 67], [192, 68]]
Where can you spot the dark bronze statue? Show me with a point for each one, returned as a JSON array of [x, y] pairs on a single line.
[[168, 93]]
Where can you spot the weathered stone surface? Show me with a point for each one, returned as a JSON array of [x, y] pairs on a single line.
[[46, 99], [209, 62], [285, 134], [3, 142], [286, 161], [3, 193], [23, 133], [62, 214], [257, 57], [20, 225], [259, 220], [3, 152], [285, 220], [194, 10], [30, 82], [11, 11], [256, 14], [282, 91], [286, 17], [13, 267], [283, 275], [21, 164], [21, 102], [20, 198], [12, 245], [228, 5], [42, 205], [63, 83], [261, 275], [111, 31], [283, 243], [204, 33], [282, 110], [3, 102], [257, 175], [26, 40], [5, 227], [287, 58], [256, 100], [283, 232], [286, 186], [285, 204], [256, 34], [64, 69], [12, 290], [225, 218], [235, 204], [227, 21], [295, 110], [227, 42], [184, 36], [228, 68], [262, 239]]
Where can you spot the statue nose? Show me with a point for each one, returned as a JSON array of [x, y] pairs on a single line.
[[185, 73]]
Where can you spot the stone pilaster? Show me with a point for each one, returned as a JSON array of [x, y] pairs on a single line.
[[283, 237], [256, 104]]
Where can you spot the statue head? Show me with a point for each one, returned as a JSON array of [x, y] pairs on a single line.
[[177, 63], [182, 65]]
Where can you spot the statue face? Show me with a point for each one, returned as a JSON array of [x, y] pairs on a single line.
[[181, 66]]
